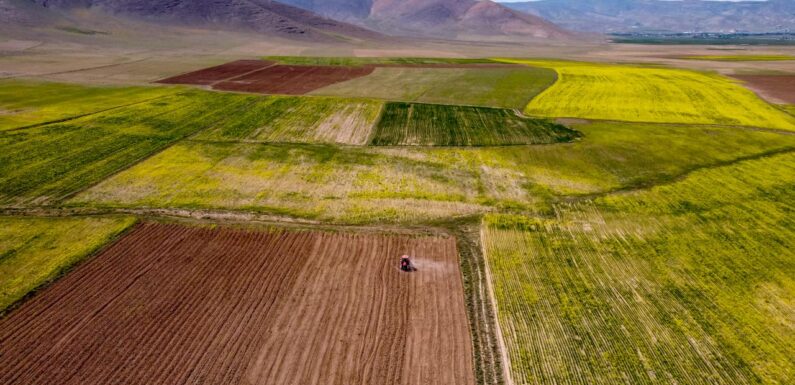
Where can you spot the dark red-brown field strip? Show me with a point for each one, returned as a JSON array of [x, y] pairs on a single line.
[[219, 73], [265, 77], [293, 80], [174, 305]]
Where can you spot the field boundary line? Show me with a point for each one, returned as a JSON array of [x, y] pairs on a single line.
[[506, 359], [680, 177]]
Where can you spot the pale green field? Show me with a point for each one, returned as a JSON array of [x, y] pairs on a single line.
[[691, 282], [644, 94], [34, 251], [362, 185], [490, 87], [24, 103], [732, 58]]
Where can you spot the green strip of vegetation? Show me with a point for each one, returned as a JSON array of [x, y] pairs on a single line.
[[34, 251], [405, 124]]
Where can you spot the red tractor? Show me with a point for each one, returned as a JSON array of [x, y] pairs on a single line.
[[406, 265]]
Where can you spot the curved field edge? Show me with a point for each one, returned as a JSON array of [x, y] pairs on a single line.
[[683, 282], [650, 94], [36, 251]]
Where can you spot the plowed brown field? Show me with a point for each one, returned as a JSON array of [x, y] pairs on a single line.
[[775, 88], [169, 304], [208, 76], [292, 80]]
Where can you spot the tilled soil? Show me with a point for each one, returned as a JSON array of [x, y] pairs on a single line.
[[292, 80], [170, 304], [209, 76], [774, 88]]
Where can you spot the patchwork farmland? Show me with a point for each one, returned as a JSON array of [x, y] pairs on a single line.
[[570, 222], [335, 306]]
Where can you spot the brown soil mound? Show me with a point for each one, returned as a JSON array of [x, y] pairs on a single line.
[[169, 304], [292, 80], [774, 88]]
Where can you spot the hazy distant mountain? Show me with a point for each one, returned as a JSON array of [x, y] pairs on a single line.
[[669, 16], [261, 16], [442, 18]]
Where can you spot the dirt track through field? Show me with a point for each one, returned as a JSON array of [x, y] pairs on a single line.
[[169, 304]]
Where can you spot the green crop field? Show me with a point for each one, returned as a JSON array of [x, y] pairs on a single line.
[[690, 282], [301, 120], [34, 251], [27, 103], [732, 58], [357, 61], [641, 94], [443, 125], [412, 184], [47, 163], [489, 87]]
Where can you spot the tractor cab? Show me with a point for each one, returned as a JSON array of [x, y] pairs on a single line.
[[406, 265]]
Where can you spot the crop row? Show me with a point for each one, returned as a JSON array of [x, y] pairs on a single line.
[[443, 125], [690, 282]]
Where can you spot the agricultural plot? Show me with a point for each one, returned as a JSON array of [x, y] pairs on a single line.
[[212, 75], [643, 94], [690, 282], [48, 163], [360, 61], [404, 124], [235, 306], [491, 87], [278, 119], [29, 103], [776, 88], [414, 185], [34, 251], [292, 80]]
